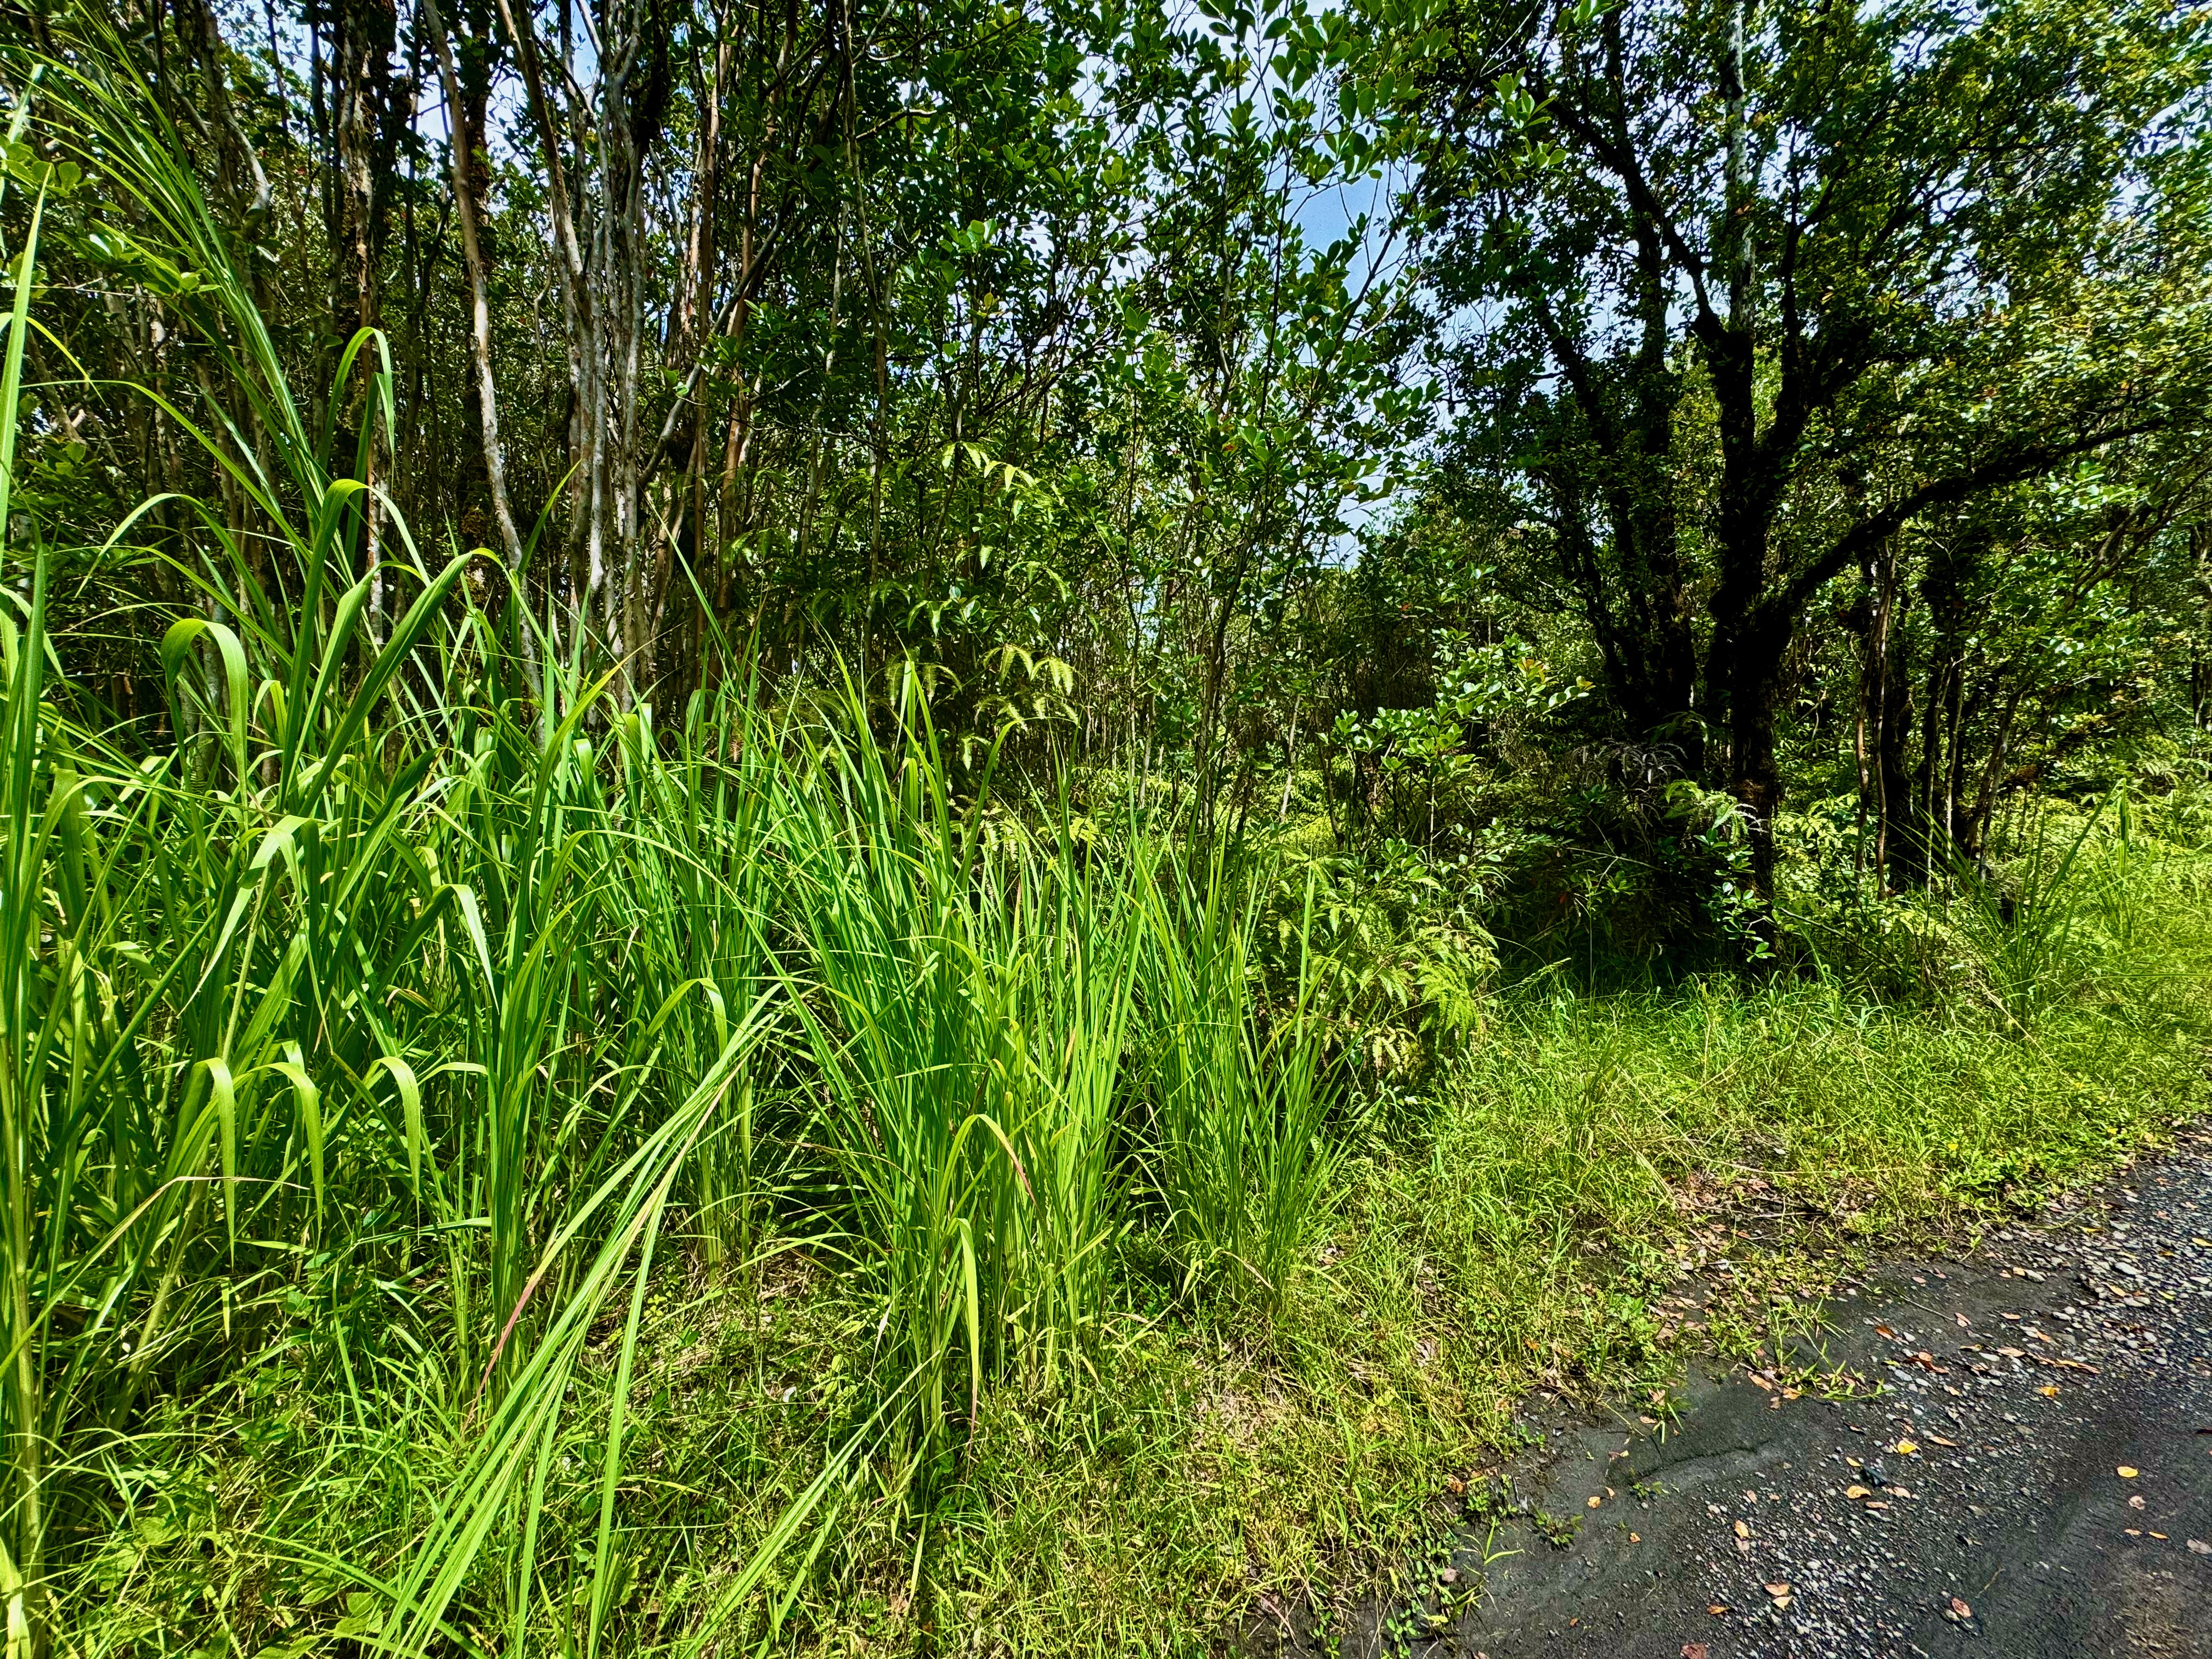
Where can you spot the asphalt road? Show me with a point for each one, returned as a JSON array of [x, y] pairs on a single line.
[[2033, 1477]]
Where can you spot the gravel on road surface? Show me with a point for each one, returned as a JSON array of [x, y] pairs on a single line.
[[2034, 1476]]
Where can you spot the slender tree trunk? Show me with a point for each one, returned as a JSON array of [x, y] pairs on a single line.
[[463, 146], [1885, 711], [365, 111], [1901, 863], [580, 329], [2200, 669]]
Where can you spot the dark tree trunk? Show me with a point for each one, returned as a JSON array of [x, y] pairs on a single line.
[[1885, 715], [1897, 851], [368, 107], [1944, 589], [1755, 684]]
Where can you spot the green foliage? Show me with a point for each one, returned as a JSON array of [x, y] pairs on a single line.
[[1397, 966], [1028, 959], [965, 1000], [465, 1018]]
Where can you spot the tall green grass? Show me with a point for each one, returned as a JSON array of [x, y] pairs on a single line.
[[1238, 1102], [966, 1004], [402, 1007]]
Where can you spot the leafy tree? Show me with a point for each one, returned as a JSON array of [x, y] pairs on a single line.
[[1753, 287]]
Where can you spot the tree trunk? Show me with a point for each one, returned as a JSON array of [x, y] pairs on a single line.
[[1944, 587], [1754, 692], [1886, 714], [365, 114], [485, 395]]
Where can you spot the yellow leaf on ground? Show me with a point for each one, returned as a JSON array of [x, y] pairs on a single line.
[[2126, 1472]]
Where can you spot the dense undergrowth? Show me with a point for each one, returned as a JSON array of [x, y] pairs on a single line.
[[491, 1170], [1207, 1464]]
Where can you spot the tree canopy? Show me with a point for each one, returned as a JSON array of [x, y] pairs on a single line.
[[1197, 386]]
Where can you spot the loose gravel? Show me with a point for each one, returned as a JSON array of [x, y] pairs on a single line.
[[2033, 1476]]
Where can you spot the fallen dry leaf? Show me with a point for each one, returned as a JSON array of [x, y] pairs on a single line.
[[1858, 1492], [2048, 1391], [1777, 1589], [2126, 1472], [1741, 1530], [1694, 1650], [2198, 1547], [1636, 1538], [1961, 1608], [1884, 1330], [1592, 1502], [1938, 1440], [1907, 1448], [1718, 1609], [2136, 1503]]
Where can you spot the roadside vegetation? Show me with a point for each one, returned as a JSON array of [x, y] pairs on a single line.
[[1002, 998]]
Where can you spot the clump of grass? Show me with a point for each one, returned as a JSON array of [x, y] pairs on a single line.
[[357, 981], [1239, 1100], [966, 1002], [462, 997]]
